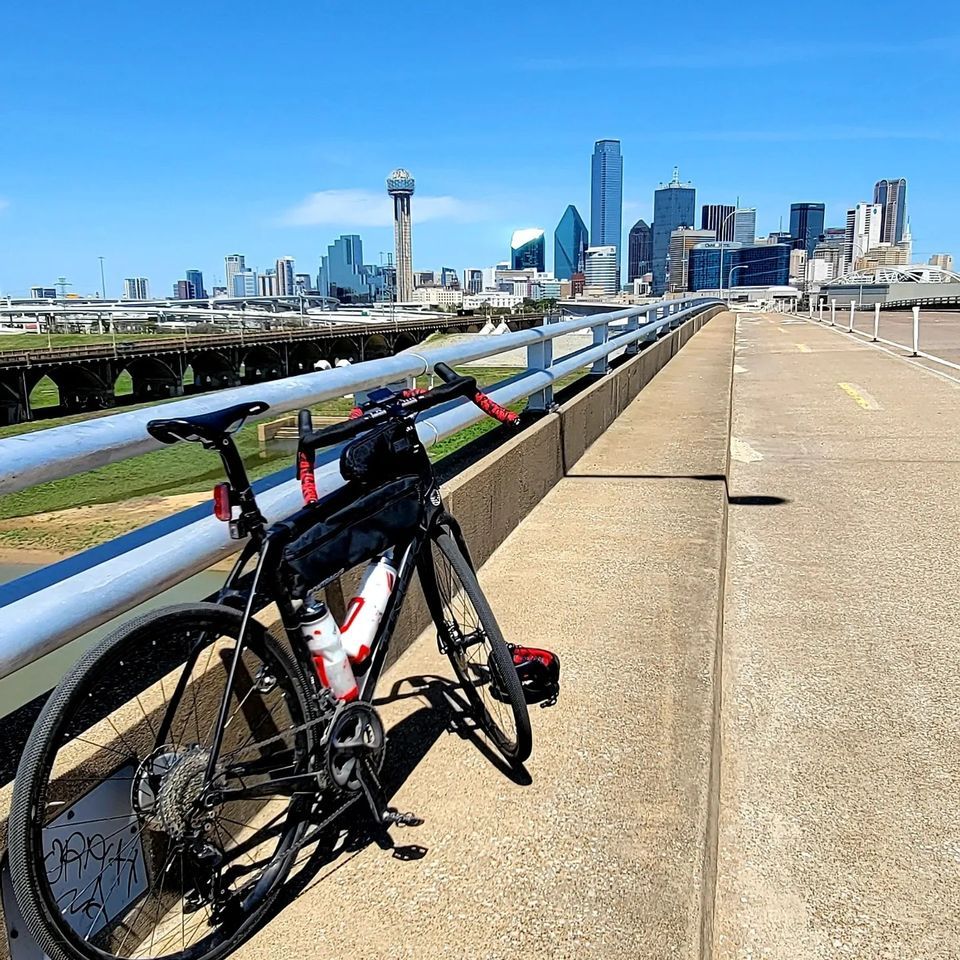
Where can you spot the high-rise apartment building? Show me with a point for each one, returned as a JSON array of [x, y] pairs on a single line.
[[400, 186], [682, 241], [285, 282], [718, 217], [232, 264], [606, 196], [601, 270], [674, 206], [864, 229], [136, 288], [472, 280], [196, 278], [639, 251], [806, 225], [892, 196], [570, 242], [183, 290], [745, 225], [528, 249], [243, 284], [942, 260]]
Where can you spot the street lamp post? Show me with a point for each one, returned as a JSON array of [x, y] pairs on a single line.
[[103, 282], [720, 240], [733, 270]]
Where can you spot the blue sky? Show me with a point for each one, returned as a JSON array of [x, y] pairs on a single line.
[[163, 136]]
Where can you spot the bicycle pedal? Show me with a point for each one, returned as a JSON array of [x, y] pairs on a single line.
[[396, 819]]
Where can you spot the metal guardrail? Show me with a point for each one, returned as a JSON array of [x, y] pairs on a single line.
[[36, 623], [913, 349]]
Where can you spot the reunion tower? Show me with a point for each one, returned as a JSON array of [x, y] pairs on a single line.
[[400, 187]]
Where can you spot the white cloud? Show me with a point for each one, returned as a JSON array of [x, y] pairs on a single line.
[[364, 208]]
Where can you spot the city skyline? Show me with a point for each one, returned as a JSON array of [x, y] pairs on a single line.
[[158, 212]]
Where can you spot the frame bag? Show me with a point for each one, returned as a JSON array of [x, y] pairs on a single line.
[[346, 529]]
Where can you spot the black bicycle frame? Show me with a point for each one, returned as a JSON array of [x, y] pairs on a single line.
[[414, 555]]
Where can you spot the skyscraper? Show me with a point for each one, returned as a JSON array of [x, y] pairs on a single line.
[[682, 241], [864, 225], [136, 288], [674, 206], [639, 251], [232, 264], [570, 242], [344, 275], [183, 290], [806, 225], [286, 287], [718, 217], [892, 196], [243, 284], [472, 280], [601, 269], [196, 278], [606, 196], [528, 249], [745, 225], [400, 186]]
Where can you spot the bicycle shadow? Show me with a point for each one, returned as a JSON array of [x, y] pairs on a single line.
[[446, 711]]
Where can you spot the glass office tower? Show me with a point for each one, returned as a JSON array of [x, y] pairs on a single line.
[[570, 242], [674, 206], [606, 196]]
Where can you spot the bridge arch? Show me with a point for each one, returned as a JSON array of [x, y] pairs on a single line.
[[212, 370], [404, 341], [304, 357], [80, 388], [152, 379], [376, 347], [261, 363], [343, 349]]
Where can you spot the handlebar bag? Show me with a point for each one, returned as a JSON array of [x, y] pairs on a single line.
[[389, 450], [348, 527]]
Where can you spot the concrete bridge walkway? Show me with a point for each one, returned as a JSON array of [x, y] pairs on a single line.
[[755, 752]]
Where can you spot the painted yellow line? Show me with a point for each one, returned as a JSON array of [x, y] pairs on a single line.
[[803, 348], [862, 399]]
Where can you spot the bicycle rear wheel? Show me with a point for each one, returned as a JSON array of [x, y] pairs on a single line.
[[469, 633], [116, 848]]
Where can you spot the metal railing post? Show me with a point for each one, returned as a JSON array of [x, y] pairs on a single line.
[[601, 334], [876, 322], [850, 325], [633, 323], [540, 357], [833, 313], [916, 331]]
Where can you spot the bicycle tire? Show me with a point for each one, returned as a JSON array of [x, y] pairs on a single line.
[[38, 905], [515, 747]]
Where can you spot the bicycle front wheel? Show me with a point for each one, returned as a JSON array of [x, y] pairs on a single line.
[[118, 846], [480, 657]]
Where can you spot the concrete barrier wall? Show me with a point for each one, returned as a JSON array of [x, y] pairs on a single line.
[[490, 498]]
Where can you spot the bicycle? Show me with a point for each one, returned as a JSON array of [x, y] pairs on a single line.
[[181, 765]]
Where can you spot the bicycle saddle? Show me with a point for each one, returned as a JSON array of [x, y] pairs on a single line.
[[207, 428]]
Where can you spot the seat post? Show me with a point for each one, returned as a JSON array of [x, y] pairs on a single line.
[[252, 521]]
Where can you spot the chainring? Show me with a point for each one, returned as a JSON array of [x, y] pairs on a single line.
[[355, 735]]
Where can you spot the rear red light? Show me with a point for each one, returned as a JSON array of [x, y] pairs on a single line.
[[221, 502]]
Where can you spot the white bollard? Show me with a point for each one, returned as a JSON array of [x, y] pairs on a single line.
[[850, 325], [821, 302], [916, 331], [876, 322], [833, 313]]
